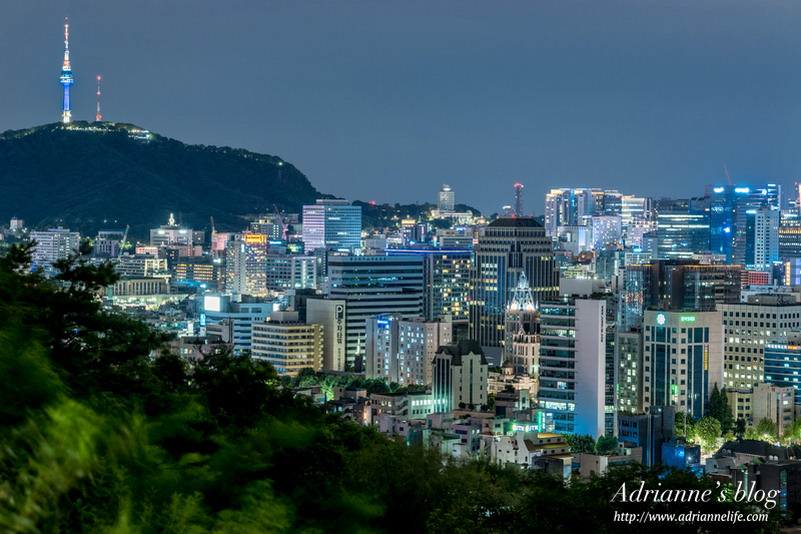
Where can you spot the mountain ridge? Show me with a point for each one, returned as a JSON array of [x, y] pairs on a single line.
[[88, 176]]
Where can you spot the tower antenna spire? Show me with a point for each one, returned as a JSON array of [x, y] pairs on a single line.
[[66, 75], [98, 116]]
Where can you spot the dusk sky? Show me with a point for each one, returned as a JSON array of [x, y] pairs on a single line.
[[387, 101]]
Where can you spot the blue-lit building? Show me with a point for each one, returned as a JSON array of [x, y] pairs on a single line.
[[573, 356], [680, 455], [682, 228], [783, 364], [648, 430], [728, 207], [332, 224], [761, 239]]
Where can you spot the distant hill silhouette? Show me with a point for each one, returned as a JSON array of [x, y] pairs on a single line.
[[88, 176]]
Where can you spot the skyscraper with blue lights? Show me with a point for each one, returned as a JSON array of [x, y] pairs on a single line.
[[728, 207]]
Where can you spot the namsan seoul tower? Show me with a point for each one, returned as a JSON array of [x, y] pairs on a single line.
[[66, 75]]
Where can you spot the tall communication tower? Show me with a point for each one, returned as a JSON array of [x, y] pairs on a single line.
[[98, 117], [66, 75]]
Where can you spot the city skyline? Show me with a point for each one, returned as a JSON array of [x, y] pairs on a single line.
[[642, 99]]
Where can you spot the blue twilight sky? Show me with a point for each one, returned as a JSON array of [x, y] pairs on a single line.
[[385, 101]]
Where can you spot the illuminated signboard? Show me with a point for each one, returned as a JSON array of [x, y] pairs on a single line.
[[688, 318], [661, 319], [211, 303], [254, 238], [339, 334]]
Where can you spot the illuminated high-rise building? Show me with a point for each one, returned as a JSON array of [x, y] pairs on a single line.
[[519, 200], [572, 375], [748, 328], [446, 278], [332, 224], [402, 350], [53, 245], [676, 285], [761, 239], [508, 248], [459, 377], [246, 264], [447, 198], [290, 271], [728, 211], [682, 358], [633, 208], [569, 206], [370, 286], [682, 228], [287, 343], [790, 234], [66, 77]]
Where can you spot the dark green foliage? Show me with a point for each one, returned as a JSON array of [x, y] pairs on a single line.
[[718, 407], [580, 443], [708, 429], [739, 428], [685, 425], [767, 429], [606, 444], [83, 178]]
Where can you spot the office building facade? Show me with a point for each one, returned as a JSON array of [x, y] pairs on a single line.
[[371, 286], [749, 328], [402, 350], [287, 344], [332, 224], [459, 377], [246, 264], [572, 365], [682, 359], [52, 245]]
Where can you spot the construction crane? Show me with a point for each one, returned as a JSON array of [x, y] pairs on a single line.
[[123, 242], [281, 222]]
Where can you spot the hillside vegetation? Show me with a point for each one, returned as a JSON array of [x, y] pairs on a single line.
[[88, 176]]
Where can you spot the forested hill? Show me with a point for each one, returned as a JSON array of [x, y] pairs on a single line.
[[94, 175]]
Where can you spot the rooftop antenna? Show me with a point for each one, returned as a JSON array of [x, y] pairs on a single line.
[[98, 116]]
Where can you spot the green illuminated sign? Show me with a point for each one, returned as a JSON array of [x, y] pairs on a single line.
[[688, 318]]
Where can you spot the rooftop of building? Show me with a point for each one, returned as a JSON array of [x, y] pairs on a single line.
[[514, 222], [462, 348], [752, 447]]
